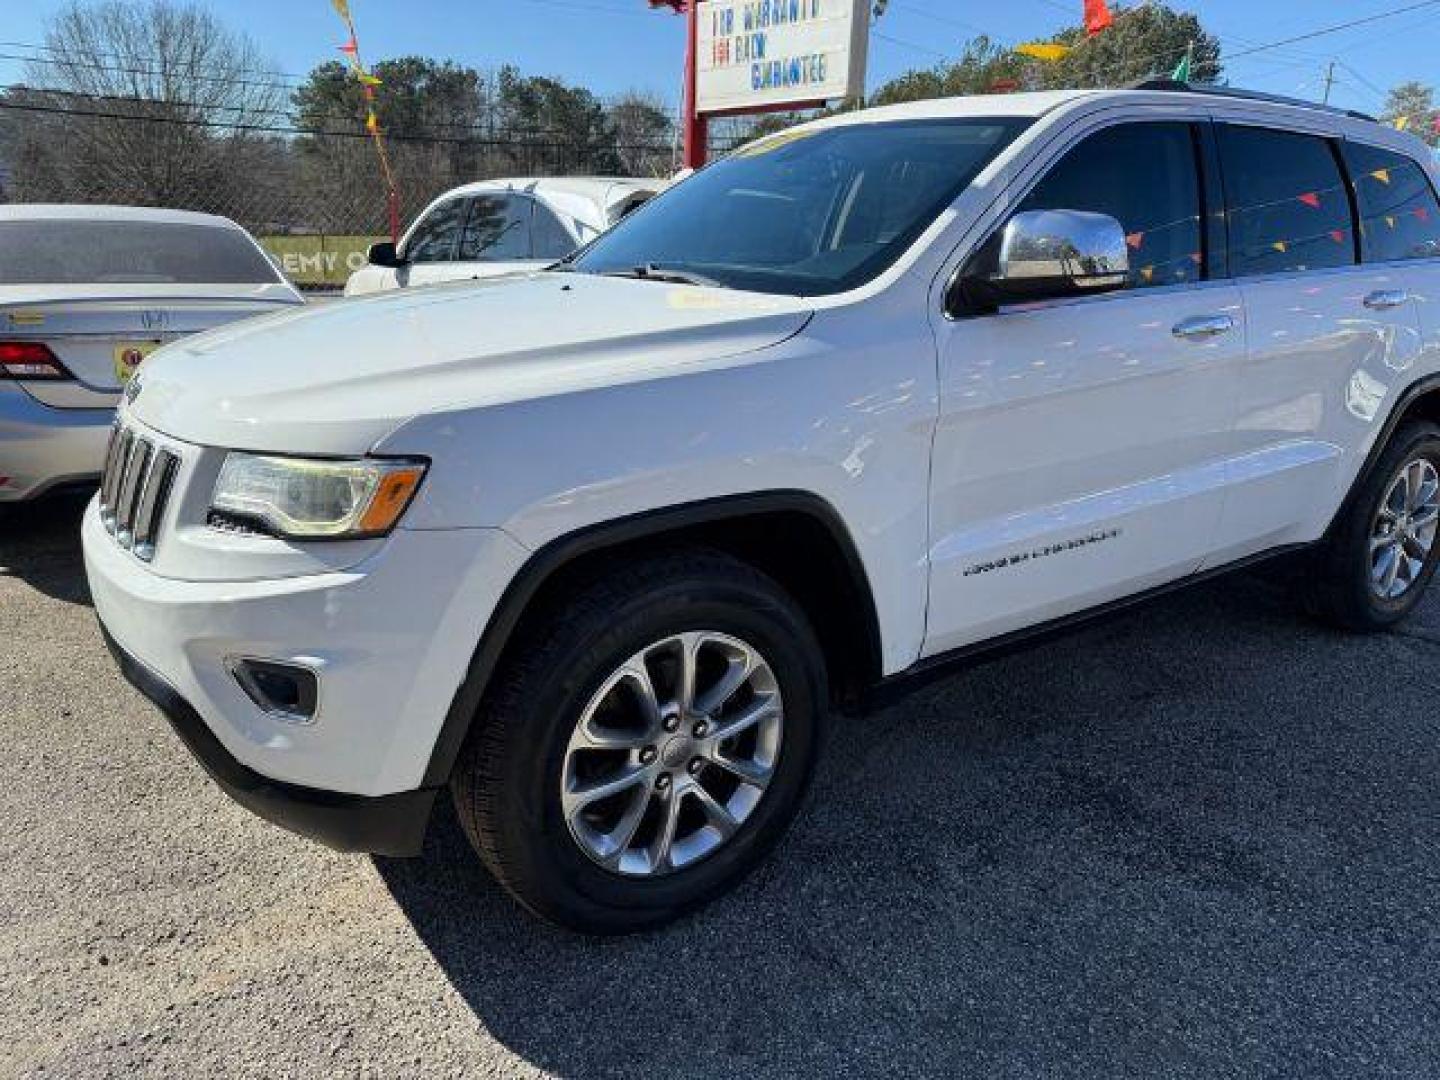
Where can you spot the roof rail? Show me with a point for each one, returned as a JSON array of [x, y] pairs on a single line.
[[1178, 87]]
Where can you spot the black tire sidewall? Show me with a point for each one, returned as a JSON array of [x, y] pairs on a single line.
[[535, 835]]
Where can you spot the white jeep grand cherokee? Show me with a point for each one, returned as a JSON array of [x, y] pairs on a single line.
[[596, 549]]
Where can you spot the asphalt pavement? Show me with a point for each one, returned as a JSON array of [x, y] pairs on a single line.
[[1200, 840]]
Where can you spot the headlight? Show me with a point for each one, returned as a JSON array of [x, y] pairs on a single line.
[[313, 499]]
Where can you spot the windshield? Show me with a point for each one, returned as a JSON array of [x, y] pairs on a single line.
[[805, 213], [65, 251]]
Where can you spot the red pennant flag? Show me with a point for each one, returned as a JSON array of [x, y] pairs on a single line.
[[1421, 213], [1435, 126], [1097, 16], [349, 47], [1310, 199], [1338, 235], [1195, 257], [1134, 240]]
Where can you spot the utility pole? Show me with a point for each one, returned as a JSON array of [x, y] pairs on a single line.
[[1329, 82]]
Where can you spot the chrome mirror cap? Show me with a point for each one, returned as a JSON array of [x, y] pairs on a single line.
[[1063, 250]]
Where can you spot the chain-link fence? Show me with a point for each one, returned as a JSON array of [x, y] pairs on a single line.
[[300, 192]]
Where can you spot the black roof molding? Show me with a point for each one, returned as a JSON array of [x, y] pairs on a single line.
[[1174, 86]]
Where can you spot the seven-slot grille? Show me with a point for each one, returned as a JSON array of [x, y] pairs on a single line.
[[137, 482]]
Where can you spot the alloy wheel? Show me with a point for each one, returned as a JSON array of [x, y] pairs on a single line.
[[672, 754], [1403, 531]]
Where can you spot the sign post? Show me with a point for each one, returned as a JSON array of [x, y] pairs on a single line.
[[758, 56]]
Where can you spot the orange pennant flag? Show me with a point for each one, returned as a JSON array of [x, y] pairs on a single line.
[[1310, 199], [1147, 272], [1097, 17], [1134, 240], [1195, 257], [1383, 175]]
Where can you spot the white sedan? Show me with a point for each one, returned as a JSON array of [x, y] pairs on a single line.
[[86, 293], [500, 227]]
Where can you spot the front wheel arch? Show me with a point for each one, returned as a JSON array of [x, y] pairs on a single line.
[[821, 568]]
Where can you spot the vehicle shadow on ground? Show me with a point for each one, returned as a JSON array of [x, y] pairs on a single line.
[[1195, 839], [40, 545]]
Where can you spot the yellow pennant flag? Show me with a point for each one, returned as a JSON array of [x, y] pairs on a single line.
[[1389, 221], [1043, 50], [1401, 123], [1383, 175], [1280, 246], [366, 78], [1147, 272], [371, 123], [342, 8]]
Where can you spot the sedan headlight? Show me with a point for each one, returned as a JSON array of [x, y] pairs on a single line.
[[314, 499]]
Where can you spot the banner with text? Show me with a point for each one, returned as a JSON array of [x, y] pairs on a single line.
[[759, 54]]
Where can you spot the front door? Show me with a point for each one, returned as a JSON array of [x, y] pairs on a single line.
[[1081, 449]]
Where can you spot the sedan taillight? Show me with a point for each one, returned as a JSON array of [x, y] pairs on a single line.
[[30, 360]]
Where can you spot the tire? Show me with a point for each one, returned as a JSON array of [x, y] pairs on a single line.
[[1345, 591], [527, 753]]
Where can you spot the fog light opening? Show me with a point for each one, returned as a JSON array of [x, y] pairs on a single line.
[[288, 692]]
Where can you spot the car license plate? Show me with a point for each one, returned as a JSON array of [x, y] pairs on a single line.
[[128, 356]]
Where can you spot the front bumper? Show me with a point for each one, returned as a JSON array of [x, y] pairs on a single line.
[[390, 640], [383, 825], [42, 448]]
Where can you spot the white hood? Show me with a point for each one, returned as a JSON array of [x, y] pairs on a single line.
[[335, 379]]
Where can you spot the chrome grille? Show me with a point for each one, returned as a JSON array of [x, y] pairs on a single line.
[[136, 485]]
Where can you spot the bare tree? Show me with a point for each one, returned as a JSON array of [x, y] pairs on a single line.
[[149, 102]]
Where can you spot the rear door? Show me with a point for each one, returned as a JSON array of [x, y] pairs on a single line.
[[1329, 337]]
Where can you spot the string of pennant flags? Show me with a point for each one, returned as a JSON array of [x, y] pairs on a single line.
[[1098, 18], [368, 83]]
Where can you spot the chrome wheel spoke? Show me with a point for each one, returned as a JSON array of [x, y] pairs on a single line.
[[660, 850], [757, 711], [748, 771], [716, 813], [736, 674], [578, 798]]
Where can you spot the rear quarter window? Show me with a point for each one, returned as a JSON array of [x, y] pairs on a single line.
[[75, 252], [1399, 215]]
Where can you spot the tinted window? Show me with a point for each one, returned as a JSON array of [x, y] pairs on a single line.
[[434, 238], [548, 237], [1399, 217], [497, 229], [806, 212], [1145, 176], [1288, 206], [67, 252]]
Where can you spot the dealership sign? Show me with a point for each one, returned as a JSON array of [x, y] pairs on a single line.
[[763, 54]]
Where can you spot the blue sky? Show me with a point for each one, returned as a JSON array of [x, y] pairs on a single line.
[[618, 45]]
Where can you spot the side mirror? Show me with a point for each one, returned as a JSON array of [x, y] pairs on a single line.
[[1047, 254], [384, 254]]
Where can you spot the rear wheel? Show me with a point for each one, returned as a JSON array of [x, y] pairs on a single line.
[[647, 743], [1382, 553]]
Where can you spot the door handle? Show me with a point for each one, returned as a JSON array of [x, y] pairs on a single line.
[[1385, 299], [1204, 326]]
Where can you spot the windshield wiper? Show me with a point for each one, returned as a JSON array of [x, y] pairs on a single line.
[[656, 272]]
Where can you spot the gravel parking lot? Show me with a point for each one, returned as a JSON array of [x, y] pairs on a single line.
[[1200, 840]]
